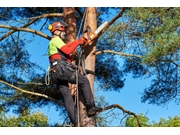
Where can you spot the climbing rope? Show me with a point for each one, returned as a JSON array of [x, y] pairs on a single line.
[[77, 69]]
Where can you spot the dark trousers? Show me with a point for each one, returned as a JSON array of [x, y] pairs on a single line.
[[64, 74]]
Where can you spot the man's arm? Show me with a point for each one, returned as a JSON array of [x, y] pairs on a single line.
[[70, 47]]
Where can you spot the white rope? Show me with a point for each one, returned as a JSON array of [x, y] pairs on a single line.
[[47, 78]]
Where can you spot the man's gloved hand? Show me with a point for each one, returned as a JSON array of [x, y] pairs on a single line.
[[85, 39]]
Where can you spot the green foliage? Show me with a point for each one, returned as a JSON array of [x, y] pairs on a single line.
[[132, 122], [24, 120], [159, 28], [108, 72], [148, 36], [170, 122], [109, 76], [153, 34], [16, 67]]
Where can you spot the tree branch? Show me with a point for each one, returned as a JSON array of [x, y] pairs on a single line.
[[118, 53], [79, 12], [33, 93], [121, 108], [62, 104], [112, 21], [26, 30], [31, 22], [30, 83]]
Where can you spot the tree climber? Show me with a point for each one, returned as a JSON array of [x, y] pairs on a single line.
[[63, 72]]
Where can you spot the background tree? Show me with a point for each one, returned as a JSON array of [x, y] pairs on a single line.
[[25, 119], [170, 122]]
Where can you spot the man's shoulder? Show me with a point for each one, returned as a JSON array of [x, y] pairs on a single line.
[[57, 41]]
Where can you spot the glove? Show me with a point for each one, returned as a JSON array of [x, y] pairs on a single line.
[[88, 40]]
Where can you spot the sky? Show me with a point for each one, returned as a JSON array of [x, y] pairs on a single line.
[[129, 97]]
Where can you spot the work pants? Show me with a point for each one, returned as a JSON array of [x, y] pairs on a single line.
[[64, 74]]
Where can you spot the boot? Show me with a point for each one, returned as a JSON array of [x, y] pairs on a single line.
[[93, 110]]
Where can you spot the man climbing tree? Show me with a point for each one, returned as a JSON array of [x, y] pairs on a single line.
[[62, 71]]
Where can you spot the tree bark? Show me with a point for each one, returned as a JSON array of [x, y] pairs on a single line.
[[70, 19], [90, 20]]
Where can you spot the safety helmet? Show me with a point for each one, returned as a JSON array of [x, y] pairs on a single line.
[[57, 26]]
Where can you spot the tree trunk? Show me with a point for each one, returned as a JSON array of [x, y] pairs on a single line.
[[90, 20], [70, 19]]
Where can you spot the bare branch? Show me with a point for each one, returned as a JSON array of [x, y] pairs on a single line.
[[62, 104], [30, 83], [118, 53], [44, 24], [123, 118], [32, 21], [121, 108], [33, 93], [26, 30], [48, 15], [112, 21]]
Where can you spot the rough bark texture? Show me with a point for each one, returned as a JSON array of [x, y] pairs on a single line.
[[70, 19], [91, 21]]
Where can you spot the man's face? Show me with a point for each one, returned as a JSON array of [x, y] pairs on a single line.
[[61, 34]]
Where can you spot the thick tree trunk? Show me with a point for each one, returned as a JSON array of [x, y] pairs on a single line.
[[70, 19], [91, 21]]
